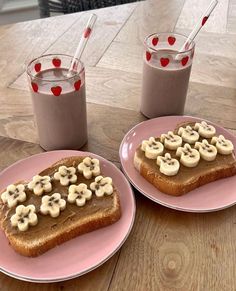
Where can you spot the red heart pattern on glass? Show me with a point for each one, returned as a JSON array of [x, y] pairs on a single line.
[[204, 20], [164, 62], [155, 41], [87, 32], [34, 87], [37, 67], [77, 85], [171, 40], [56, 90], [184, 61], [148, 56], [56, 62], [162, 58]]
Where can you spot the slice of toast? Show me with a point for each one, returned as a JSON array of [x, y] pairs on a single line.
[[72, 221], [186, 179]]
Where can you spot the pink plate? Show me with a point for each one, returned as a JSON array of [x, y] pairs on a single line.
[[79, 255], [211, 197]]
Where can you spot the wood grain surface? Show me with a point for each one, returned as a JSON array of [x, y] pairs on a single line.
[[231, 23], [150, 16], [108, 24], [171, 250], [166, 250], [194, 9], [28, 40], [206, 68], [214, 44], [100, 84]]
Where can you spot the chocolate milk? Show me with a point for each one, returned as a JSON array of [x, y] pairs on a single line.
[[61, 120], [164, 89]]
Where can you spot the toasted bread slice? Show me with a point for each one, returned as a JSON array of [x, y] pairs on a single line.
[[72, 221], [186, 179]]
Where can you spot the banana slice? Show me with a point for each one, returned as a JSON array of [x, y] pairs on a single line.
[[224, 146], [168, 165], [204, 129], [188, 157], [207, 151], [188, 134], [171, 140], [152, 148]]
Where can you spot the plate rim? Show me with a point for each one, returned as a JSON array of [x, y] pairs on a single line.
[[155, 199], [75, 275]]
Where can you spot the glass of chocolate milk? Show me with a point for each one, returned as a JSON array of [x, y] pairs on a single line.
[[165, 74], [59, 101]]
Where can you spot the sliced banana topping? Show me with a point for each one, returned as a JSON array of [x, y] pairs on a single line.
[[207, 151], [52, 204], [224, 146], [168, 165], [204, 129], [189, 157], [40, 184], [66, 175], [171, 140], [79, 194], [152, 148], [89, 167], [102, 186], [24, 217], [188, 134], [13, 195]]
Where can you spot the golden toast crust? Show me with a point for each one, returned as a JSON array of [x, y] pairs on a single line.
[[188, 178], [42, 242]]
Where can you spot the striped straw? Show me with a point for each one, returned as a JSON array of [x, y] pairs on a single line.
[[199, 25], [82, 43]]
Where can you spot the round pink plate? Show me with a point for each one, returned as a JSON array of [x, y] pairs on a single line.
[[211, 197], [79, 255]]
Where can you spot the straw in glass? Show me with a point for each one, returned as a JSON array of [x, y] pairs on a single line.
[[82, 43], [199, 25]]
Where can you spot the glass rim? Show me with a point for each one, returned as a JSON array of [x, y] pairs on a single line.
[[172, 33], [53, 80]]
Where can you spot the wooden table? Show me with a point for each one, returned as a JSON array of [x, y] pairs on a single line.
[[167, 250]]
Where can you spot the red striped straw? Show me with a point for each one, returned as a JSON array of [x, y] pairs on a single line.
[[199, 25], [83, 42]]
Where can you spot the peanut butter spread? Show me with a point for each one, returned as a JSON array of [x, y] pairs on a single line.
[[186, 174], [46, 223]]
